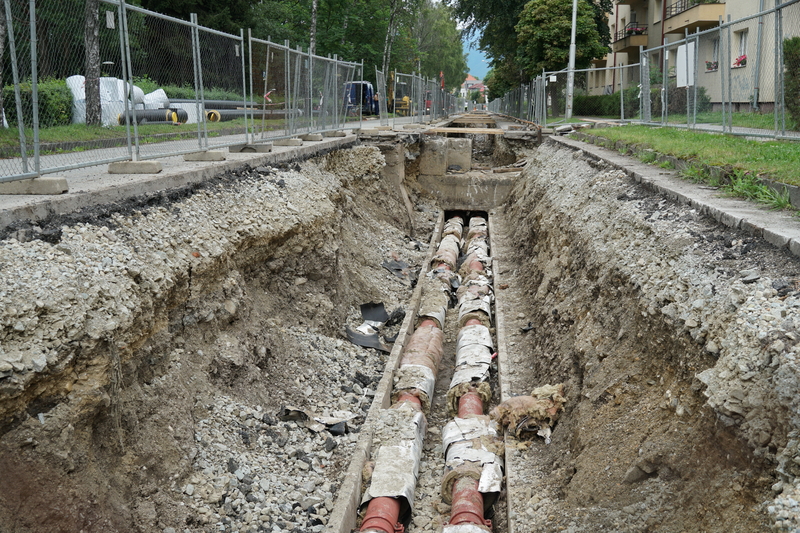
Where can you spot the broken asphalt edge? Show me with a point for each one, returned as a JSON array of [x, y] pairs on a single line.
[[40, 208], [345, 508], [782, 230]]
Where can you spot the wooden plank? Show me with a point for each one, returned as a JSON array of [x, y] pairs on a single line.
[[476, 131], [473, 121]]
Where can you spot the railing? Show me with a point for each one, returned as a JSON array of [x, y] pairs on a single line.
[[632, 28], [683, 5], [223, 89]]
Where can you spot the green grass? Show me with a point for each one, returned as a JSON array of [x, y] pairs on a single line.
[[148, 133], [741, 120], [778, 160]]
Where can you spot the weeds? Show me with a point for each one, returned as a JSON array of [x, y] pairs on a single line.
[[696, 174], [647, 157], [667, 164], [747, 185]]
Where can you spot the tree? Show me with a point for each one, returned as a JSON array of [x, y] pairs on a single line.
[[440, 44], [544, 31], [91, 43]]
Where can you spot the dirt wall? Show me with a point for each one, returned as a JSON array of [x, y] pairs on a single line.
[[676, 339]]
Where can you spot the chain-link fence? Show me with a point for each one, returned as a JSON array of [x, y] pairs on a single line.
[[125, 83], [740, 77], [732, 78]]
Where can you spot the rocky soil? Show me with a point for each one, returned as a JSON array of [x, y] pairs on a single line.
[[676, 338], [148, 351]]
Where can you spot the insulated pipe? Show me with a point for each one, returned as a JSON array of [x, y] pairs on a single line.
[[413, 399], [383, 515], [470, 404], [467, 503]]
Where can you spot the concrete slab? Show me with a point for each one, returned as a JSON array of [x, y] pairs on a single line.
[[211, 155], [334, 134], [135, 167], [258, 148], [41, 185], [288, 142], [311, 137]]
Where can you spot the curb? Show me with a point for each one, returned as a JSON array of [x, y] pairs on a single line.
[[779, 229]]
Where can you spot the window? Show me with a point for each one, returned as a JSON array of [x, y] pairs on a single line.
[[715, 51], [741, 58]]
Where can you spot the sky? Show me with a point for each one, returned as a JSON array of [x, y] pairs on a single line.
[[475, 62]]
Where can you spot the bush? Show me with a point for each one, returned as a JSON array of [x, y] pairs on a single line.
[[791, 62], [676, 100], [607, 105], [55, 103]]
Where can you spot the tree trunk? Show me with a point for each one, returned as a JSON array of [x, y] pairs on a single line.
[[91, 42], [387, 44], [312, 47]]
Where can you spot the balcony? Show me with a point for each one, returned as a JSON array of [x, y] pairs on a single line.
[[628, 2], [631, 38], [691, 14]]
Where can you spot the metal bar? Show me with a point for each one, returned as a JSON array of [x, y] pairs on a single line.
[[202, 93], [124, 71], [35, 89], [247, 106], [730, 82], [197, 102], [12, 49], [130, 111]]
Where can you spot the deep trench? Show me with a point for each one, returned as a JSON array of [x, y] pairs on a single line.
[[239, 337]]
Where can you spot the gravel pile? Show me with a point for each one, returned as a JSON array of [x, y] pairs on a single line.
[[256, 472]]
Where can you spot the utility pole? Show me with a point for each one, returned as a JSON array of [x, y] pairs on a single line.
[[571, 68]]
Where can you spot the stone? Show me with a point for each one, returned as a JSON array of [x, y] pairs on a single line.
[[41, 185], [135, 167]]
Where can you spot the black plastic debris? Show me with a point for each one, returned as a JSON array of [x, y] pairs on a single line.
[[338, 429], [374, 312], [367, 340], [396, 317], [527, 328]]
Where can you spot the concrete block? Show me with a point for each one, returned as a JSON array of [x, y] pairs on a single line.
[[412, 126], [776, 237], [751, 228], [135, 167], [384, 128], [46, 185], [334, 134], [459, 152], [730, 220], [794, 247], [288, 142], [211, 155], [311, 137], [251, 148], [433, 156]]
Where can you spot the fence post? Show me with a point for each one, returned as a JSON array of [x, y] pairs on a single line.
[[12, 49], [665, 85], [247, 138], [200, 95], [35, 89], [780, 121], [130, 112], [730, 81]]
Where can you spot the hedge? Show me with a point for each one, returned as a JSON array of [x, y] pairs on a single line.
[[55, 103]]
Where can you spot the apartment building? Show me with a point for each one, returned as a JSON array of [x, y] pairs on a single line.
[[747, 49]]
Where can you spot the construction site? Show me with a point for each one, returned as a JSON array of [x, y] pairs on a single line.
[[456, 327]]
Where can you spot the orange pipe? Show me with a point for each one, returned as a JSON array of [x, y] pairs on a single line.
[[428, 322], [467, 504], [470, 404], [473, 322], [476, 265], [383, 514], [412, 398]]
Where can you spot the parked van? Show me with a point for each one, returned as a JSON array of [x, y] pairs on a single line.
[[360, 94]]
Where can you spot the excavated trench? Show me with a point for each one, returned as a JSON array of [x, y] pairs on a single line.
[[183, 363]]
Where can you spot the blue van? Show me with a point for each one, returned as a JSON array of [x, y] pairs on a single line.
[[360, 94]]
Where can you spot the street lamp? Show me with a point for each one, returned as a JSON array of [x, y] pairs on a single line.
[[571, 68]]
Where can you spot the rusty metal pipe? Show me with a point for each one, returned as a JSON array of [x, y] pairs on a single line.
[[467, 503], [470, 403], [383, 515]]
